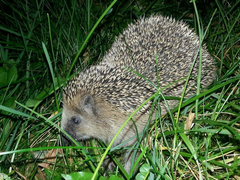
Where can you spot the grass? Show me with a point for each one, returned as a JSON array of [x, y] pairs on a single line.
[[44, 43]]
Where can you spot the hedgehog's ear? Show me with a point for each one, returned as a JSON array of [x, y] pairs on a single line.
[[88, 104]]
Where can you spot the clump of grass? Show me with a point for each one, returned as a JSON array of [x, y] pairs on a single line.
[[41, 41]]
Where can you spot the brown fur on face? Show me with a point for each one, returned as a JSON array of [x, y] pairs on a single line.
[[88, 117]]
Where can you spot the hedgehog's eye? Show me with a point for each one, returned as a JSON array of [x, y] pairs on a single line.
[[76, 120]]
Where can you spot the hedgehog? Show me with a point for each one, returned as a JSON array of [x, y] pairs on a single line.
[[156, 49]]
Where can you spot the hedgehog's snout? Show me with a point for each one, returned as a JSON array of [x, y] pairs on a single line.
[[65, 139]]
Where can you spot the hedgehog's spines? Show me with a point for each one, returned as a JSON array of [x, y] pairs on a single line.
[[176, 45]]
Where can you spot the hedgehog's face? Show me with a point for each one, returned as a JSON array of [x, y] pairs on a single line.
[[79, 119]]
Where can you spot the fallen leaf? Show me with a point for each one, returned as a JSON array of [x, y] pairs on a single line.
[[188, 122], [50, 158]]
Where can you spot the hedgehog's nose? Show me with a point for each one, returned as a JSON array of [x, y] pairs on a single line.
[[65, 140]]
